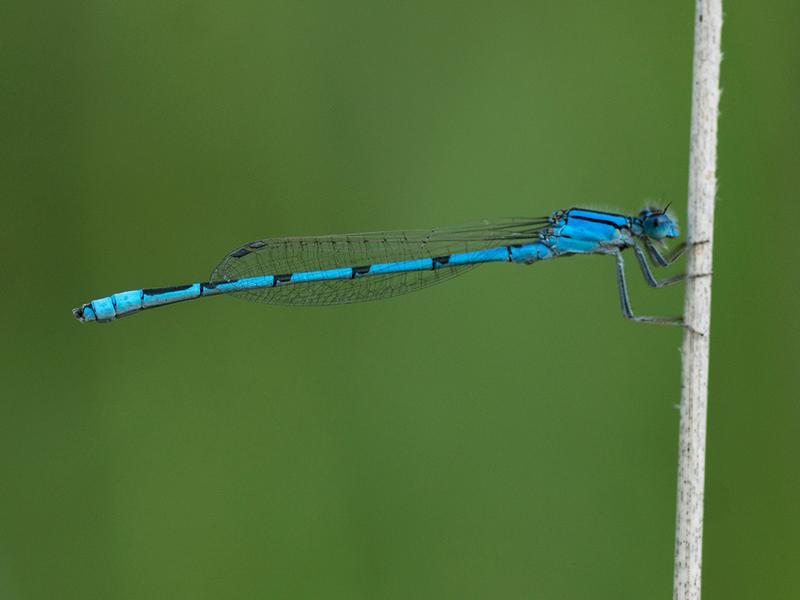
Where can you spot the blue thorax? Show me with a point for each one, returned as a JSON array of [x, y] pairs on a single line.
[[584, 226]]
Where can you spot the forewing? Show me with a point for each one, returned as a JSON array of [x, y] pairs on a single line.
[[303, 254]]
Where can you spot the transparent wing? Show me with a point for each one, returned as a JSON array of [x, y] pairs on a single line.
[[303, 254]]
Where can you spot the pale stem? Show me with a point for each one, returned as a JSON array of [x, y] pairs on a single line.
[[697, 308]]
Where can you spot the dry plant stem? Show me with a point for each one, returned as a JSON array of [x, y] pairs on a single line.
[[697, 308]]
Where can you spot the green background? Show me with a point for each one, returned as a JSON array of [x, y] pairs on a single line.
[[507, 435]]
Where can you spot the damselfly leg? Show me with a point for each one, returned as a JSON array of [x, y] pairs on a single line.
[[648, 274], [625, 301]]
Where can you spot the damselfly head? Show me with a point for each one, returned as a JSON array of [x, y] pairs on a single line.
[[657, 224]]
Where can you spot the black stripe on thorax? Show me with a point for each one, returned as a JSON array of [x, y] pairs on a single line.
[[601, 221]]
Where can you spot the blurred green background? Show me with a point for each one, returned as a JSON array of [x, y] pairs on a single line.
[[507, 435]]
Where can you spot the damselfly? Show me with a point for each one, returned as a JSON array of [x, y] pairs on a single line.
[[341, 269]]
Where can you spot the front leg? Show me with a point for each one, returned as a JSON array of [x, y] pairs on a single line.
[[660, 259], [625, 301], [648, 274]]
